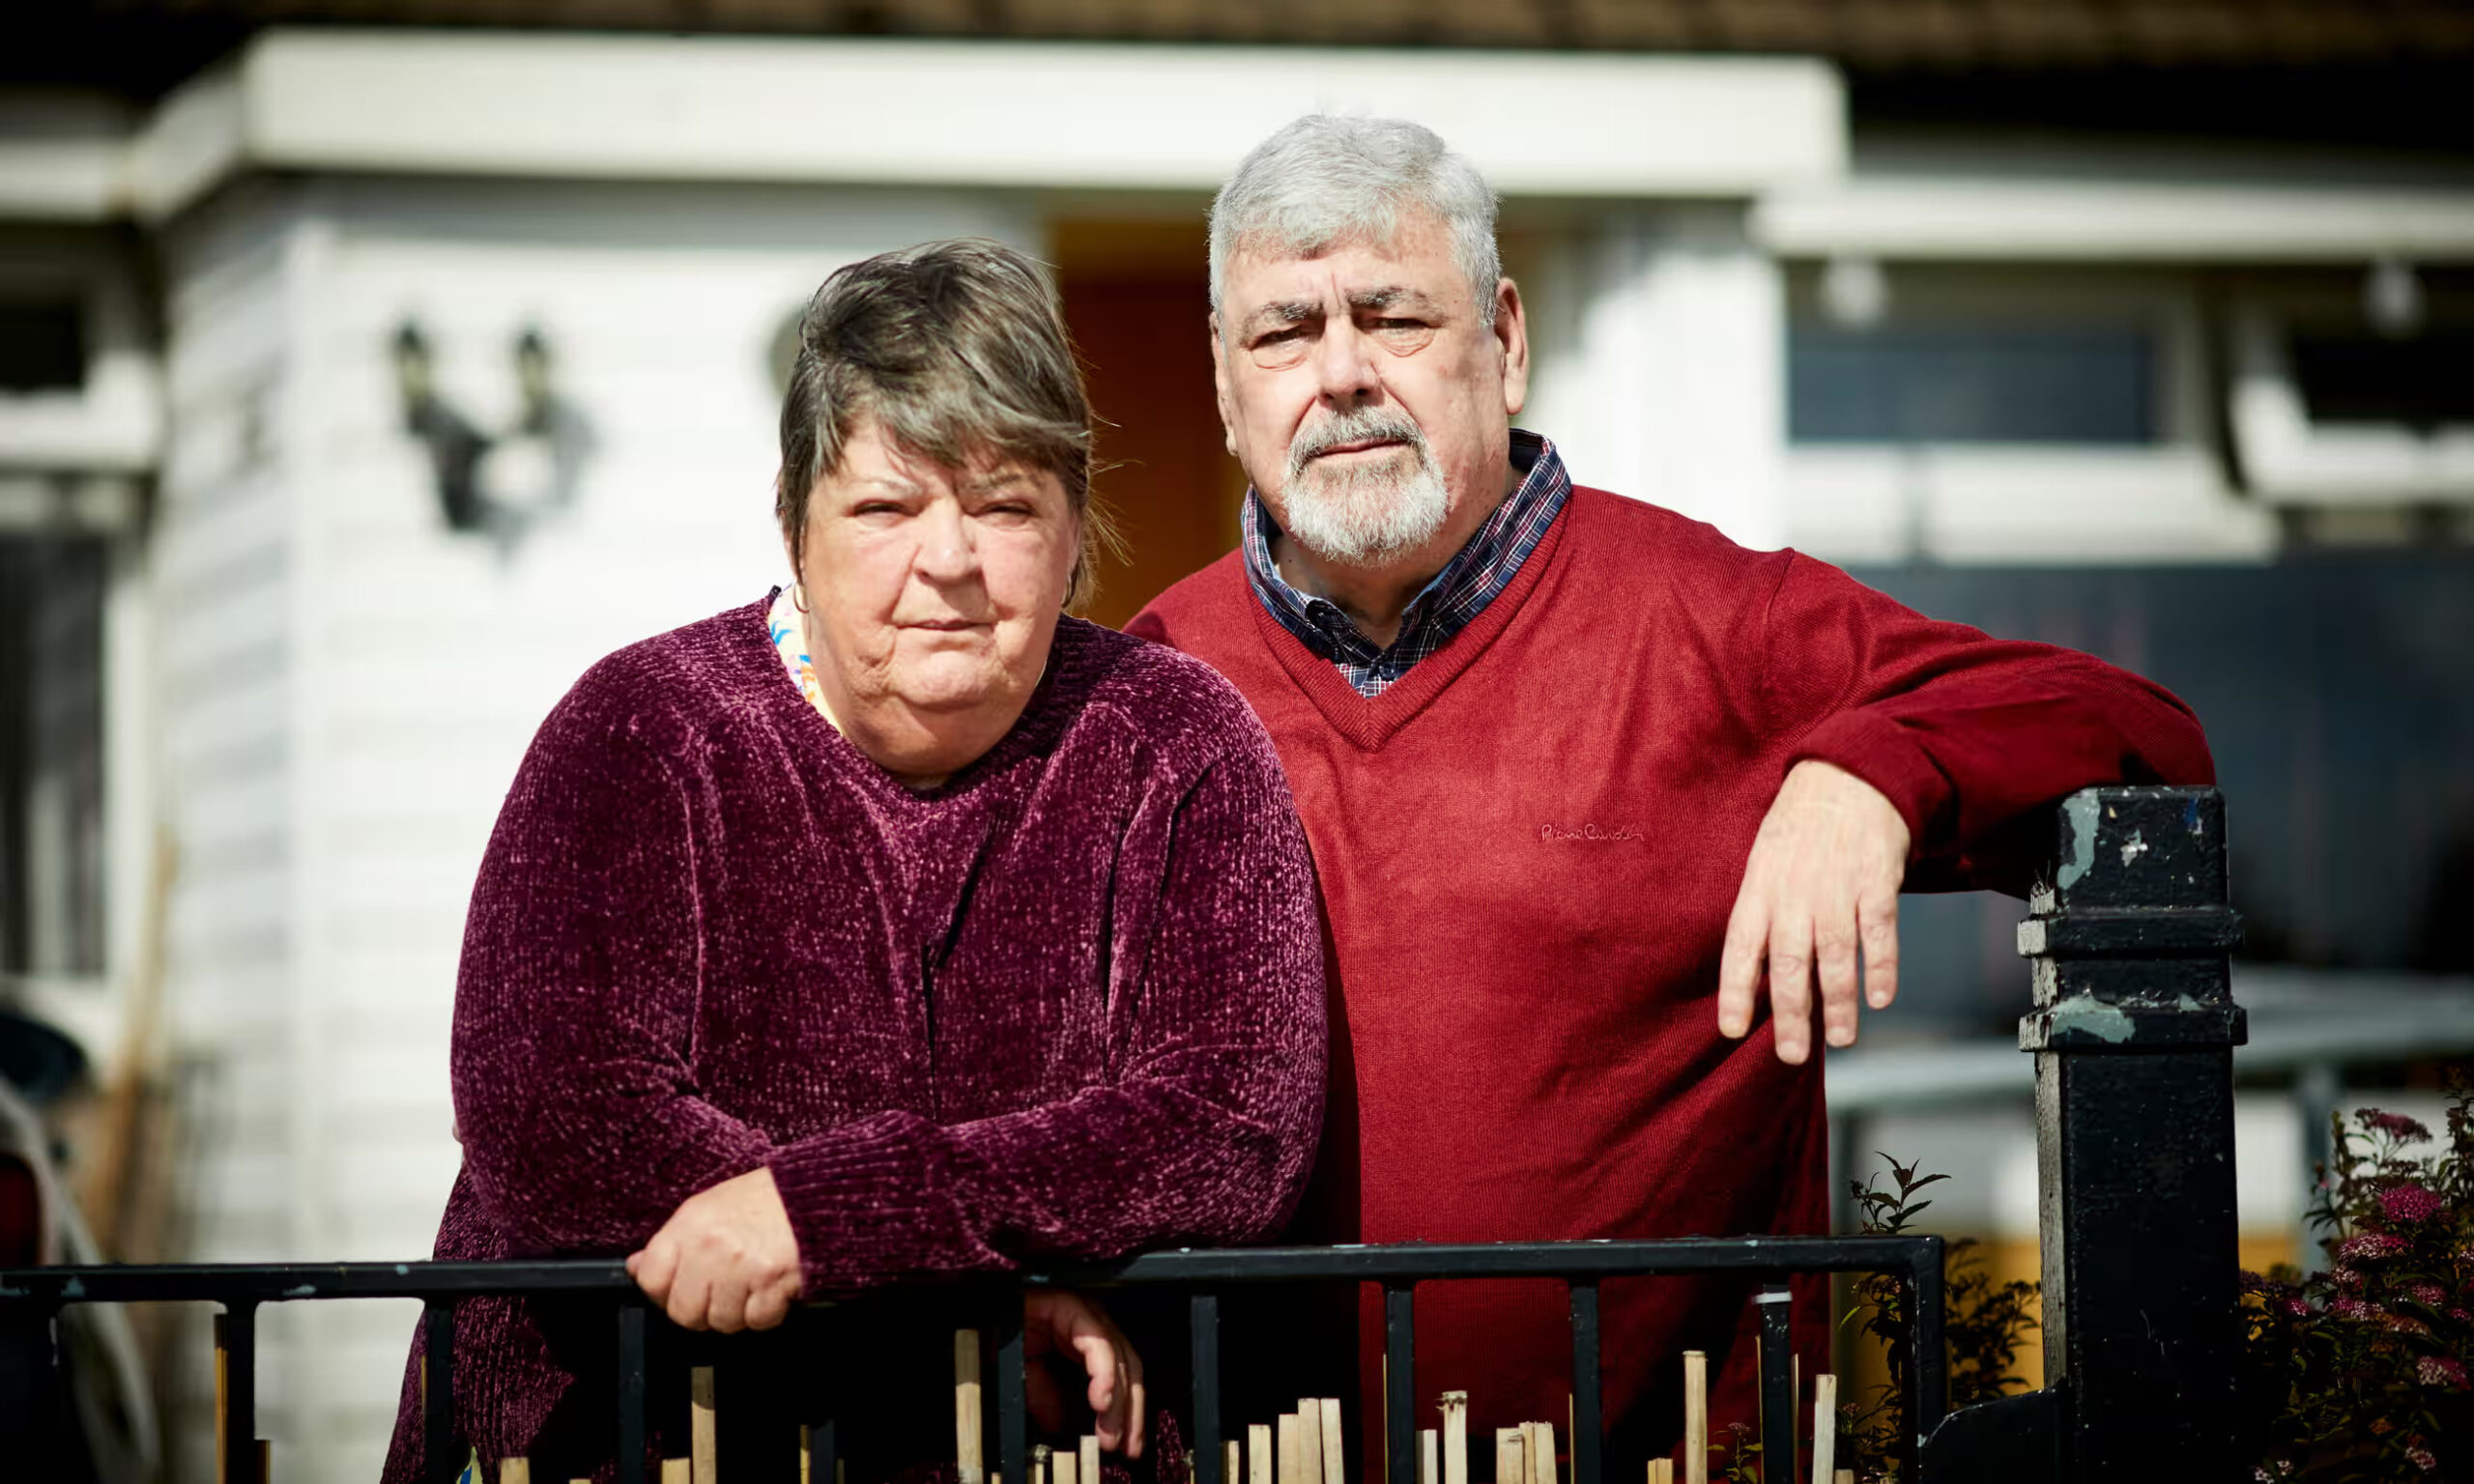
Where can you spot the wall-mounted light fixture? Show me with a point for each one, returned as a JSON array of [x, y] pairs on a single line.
[[496, 484]]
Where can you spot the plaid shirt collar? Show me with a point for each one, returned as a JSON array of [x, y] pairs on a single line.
[[1444, 606]]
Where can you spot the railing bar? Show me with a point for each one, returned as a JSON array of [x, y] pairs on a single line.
[[1928, 1379], [1399, 1384], [1203, 1326], [30, 1398], [634, 1388], [825, 1450], [1777, 1386], [440, 1464], [1588, 1429], [236, 1344], [1013, 1400], [273, 1282]]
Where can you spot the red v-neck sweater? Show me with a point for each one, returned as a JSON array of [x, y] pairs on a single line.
[[1527, 850]]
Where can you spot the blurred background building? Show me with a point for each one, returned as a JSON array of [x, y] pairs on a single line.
[[368, 368]]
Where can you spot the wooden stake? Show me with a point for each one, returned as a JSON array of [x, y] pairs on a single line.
[[1844, 1476], [1455, 1437], [1696, 1417], [515, 1471], [1309, 1440], [675, 1470], [1335, 1465], [1259, 1455], [1232, 1463], [1825, 1427], [1292, 1449], [1430, 1452], [1087, 1450], [265, 1463], [1661, 1471], [970, 1461], [1042, 1461], [1511, 1455], [699, 1426], [1542, 1453]]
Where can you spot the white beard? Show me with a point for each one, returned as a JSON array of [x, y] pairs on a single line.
[[1362, 514]]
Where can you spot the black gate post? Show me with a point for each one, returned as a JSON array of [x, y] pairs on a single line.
[[2134, 1029]]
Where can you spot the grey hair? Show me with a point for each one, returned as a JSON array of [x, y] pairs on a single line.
[[955, 348], [1324, 180]]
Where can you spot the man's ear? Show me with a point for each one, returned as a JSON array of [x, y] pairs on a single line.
[[1511, 339], [1219, 389]]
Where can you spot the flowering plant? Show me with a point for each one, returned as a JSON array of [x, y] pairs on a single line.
[[2360, 1372]]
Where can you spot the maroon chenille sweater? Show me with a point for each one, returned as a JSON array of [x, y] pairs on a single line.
[[1070, 1004], [1528, 848]]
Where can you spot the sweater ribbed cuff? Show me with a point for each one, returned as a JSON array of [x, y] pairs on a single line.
[[1887, 756], [870, 1200]]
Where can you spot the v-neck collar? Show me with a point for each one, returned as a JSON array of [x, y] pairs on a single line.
[[1370, 721]]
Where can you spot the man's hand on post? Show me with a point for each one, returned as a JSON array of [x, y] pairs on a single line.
[[1822, 880], [1059, 1322], [725, 1260]]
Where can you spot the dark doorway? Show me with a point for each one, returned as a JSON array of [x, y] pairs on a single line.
[[1137, 299]]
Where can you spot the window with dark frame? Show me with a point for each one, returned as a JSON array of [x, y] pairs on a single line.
[[52, 755], [1980, 383]]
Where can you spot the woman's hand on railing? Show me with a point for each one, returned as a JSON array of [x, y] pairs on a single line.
[[726, 1259], [1060, 1322]]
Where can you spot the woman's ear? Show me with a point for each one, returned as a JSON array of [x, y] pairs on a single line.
[[792, 543]]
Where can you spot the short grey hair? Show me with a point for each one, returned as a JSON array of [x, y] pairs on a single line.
[[1325, 180], [955, 348]]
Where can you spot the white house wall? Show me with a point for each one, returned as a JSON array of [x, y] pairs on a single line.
[[1658, 339], [349, 685]]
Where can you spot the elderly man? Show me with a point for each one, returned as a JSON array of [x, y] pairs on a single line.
[[1610, 814]]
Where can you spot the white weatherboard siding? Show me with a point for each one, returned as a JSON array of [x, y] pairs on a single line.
[[1657, 344], [225, 676], [348, 686]]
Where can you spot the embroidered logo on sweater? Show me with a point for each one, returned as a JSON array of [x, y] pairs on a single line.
[[1556, 832]]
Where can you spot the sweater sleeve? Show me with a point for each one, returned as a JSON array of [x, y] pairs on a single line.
[[1202, 1133], [1971, 737], [583, 1125]]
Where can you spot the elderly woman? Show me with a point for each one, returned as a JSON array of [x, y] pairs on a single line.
[[894, 924]]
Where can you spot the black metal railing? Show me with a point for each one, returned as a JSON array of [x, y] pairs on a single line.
[[31, 1297], [2132, 1032]]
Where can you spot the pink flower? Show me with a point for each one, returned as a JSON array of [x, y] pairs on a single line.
[[2351, 1308], [2441, 1371], [2409, 1202], [2298, 1308], [2346, 1277], [2397, 1125], [2430, 1294], [2423, 1459], [2371, 1247]]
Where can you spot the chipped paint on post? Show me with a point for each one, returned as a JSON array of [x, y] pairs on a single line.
[[2079, 820]]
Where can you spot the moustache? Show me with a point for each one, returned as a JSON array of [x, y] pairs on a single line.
[[1341, 428]]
